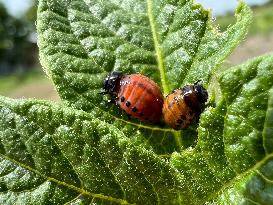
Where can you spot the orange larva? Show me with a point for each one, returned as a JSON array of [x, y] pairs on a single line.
[[184, 105], [136, 94]]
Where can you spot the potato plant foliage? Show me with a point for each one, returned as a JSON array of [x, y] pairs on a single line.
[[86, 151]]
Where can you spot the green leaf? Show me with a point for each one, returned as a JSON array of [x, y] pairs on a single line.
[[246, 89], [233, 157], [55, 155], [254, 187], [172, 42], [51, 154], [268, 126], [87, 151]]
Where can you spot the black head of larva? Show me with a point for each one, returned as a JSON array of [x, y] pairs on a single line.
[[201, 92], [111, 82]]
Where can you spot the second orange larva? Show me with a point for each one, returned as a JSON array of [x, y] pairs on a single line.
[[184, 105]]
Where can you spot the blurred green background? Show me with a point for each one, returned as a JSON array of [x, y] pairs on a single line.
[[21, 75]]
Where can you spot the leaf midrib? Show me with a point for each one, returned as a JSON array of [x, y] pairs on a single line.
[[158, 51]]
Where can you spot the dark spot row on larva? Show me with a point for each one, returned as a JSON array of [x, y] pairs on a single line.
[[127, 103], [122, 99], [134, 109]]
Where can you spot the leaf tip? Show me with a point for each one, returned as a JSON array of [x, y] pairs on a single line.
[[243, 9]]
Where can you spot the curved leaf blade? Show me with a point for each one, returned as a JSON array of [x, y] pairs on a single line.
[[247, 90], [52, 154], [216, 47], [205, 168], [218, 172], [268, 126], [254, 187]]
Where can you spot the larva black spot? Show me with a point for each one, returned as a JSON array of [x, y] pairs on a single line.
[[122, 99], [127, 103], [134, 109]]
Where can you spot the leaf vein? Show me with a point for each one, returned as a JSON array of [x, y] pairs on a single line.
[[158, 51], [250, 200], [172, 22], [198, 47], [238, 177], [264, 177], [114, 32], [112, 173], [73, 200], [80, 190]]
